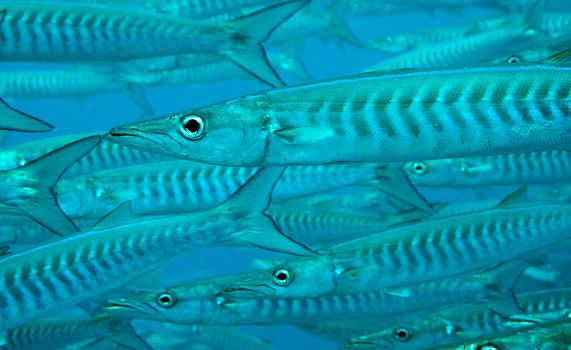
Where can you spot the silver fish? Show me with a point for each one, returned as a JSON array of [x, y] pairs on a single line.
[[376, 117]]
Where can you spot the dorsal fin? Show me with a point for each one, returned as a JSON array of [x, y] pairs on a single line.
[[119, 216], [516, 198]]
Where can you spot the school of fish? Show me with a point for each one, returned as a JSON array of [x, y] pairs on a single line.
[[419, 201]]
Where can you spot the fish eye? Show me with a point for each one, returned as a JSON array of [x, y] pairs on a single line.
[[488, 346], [165, 300], [419, 168], [282, 277], [514, 59], [192, 126], [402, 334]]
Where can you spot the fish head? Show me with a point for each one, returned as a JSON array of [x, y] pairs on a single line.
[[390, 338], [305, 277], [225, 134], [394, 44], [160, 305]]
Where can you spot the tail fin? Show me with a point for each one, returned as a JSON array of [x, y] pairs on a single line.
[[252, 30], [248, 205], [11, 119], [48, 169]]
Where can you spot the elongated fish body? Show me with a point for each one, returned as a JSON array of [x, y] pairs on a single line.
[[107, 33], [220, 307], [419, 252], [541, 336], [508, 169], [318, 227], [55, 83], [105, 156], [371, 304], [119, 249], [466, 50], [376, 117], [443, 327], [399, 43], [182, 186], [63, 332], [112, 33]]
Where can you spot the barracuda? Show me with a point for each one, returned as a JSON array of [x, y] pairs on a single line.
[[122, 247], [546, 167], [375, 117], [72, 32], [542, 336], [419, 252], [181, 186], [467, 50], [76, 81], [206, 302], [460, 324]]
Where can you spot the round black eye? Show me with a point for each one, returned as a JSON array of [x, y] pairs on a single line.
[[192, 126], [419, 168], [282, 277], [514, 59], [488, 347], [402, 334], [165, 300]]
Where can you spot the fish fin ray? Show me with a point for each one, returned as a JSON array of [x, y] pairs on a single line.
[[393, 181], [255, 28], [15, 120], [121, 215], [43, 208], [249, 202]]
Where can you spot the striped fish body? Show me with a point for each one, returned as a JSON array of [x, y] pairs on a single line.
[[55, 83], [319, 227], [67, 32], [73, 269], [254, 309], [463, 51], [419, 253], [179, 186], [377, 117], [450, 246], [393, 117], [59, 333], [437, 330], [508, 169], [106, 155]]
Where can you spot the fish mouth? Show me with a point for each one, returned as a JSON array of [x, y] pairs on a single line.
[[153, 142], [121, 307], [245, 292]]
